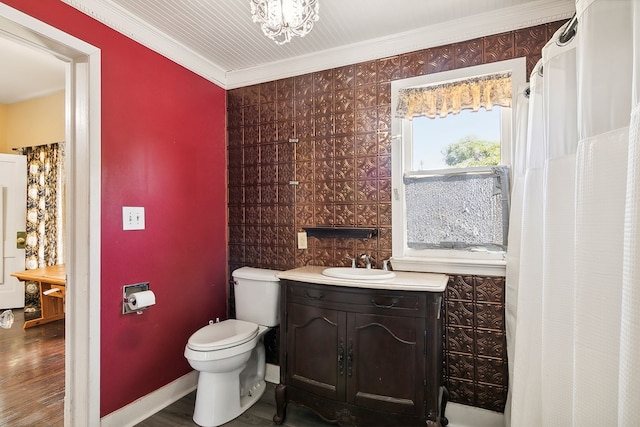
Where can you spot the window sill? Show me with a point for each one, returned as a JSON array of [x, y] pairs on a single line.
[[450, 266]]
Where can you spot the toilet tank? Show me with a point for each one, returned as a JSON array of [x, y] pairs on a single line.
[[257, 295]]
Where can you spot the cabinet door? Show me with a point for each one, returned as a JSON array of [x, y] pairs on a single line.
[[386, 363], [315, 350]]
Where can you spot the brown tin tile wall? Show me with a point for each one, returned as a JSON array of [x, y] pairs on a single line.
[[330, 132]]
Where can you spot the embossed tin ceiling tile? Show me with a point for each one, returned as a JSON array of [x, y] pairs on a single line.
[[344, 77], [285, 89], [323, 192], [365, 96], [345, 215], [469, 53], [323, 81], [384, 94], [323, 214], [344, 124], [285, 173], [459, 313], [366, 144], [304, 215], [461, 391], [490, 316], [367, 73], [285, 217], [367, 190], [366, 215], [389, 69], [499, 47], [460, 288], [384, 190], [236, 234], [490, 397], [489, 289], [440, 59], [344, 192], [236, 214], [285, 130], [491, 371], [460, 366], [267, 112], [323, 104], [367, 167], [344, 147], [268, 195], [490, 343], [267, 92], [344, 100], [366, 120], [269, 236], [323, 126], [414, 64], [267, 160]]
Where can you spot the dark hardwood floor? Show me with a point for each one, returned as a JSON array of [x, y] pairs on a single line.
[[261, 414], [32, 386], [32, 374]]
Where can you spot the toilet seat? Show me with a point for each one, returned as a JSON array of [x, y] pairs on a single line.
[[221, 335]]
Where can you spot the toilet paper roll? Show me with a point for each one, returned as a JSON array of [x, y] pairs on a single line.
[[141, 300]]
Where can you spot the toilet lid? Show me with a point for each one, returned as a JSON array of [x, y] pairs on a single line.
[[223, 334]]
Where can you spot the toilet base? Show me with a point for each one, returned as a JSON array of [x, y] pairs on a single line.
[[223, 404], [221, 397]]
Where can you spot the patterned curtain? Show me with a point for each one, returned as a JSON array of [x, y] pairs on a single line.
[[45, 213], [452, 97]]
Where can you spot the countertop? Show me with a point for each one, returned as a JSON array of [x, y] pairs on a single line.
[[404, 280]]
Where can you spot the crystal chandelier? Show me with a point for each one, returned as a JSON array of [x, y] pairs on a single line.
[[282, 19]]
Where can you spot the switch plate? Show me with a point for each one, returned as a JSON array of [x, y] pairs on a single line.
[[132, 218], [302, 240]]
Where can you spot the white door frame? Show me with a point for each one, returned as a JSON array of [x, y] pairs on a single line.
[[82, 234]]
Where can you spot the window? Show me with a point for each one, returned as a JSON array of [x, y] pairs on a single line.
[[451, 168]]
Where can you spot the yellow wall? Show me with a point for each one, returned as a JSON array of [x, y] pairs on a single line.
[[34, 122], [3, 127]]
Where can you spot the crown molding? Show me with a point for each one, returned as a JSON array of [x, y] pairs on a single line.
[[489, 23], [127, 24], [508, 19]]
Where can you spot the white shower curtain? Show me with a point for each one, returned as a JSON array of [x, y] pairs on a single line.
[[573, 282]]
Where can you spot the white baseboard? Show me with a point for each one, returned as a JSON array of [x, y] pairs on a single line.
[[153, 402], [272, 374], [143, 408], [470, 416]]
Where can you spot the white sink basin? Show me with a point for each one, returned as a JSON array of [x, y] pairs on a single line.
[[358, 273]]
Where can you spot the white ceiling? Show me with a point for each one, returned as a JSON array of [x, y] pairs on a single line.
[[27, 72], [218, 40]]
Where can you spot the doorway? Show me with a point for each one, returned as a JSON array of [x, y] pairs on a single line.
[[82, 131]]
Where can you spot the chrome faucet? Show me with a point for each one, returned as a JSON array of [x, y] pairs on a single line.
[[367, 259]]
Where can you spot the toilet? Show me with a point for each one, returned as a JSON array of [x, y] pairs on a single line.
[[230, 355]]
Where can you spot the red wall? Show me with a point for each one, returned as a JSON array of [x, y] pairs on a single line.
[[163, 147]]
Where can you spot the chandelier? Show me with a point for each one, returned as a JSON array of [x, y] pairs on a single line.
[[282, 19]]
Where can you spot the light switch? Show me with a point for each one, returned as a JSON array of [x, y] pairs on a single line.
[[132, 218]]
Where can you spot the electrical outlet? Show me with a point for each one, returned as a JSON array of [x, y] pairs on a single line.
[[132, 218], [302, 240]]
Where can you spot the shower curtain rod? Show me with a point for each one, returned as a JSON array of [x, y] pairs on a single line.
[[570, 30]]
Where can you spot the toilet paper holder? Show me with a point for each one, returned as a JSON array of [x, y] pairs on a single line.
[[128, 292]]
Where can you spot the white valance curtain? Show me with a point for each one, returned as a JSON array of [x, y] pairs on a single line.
[[573, 266], [452, 97]]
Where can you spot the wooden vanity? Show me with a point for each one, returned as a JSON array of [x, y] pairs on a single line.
[[362, 353]]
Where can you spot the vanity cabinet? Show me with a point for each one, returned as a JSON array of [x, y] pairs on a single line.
[[360, 356]]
